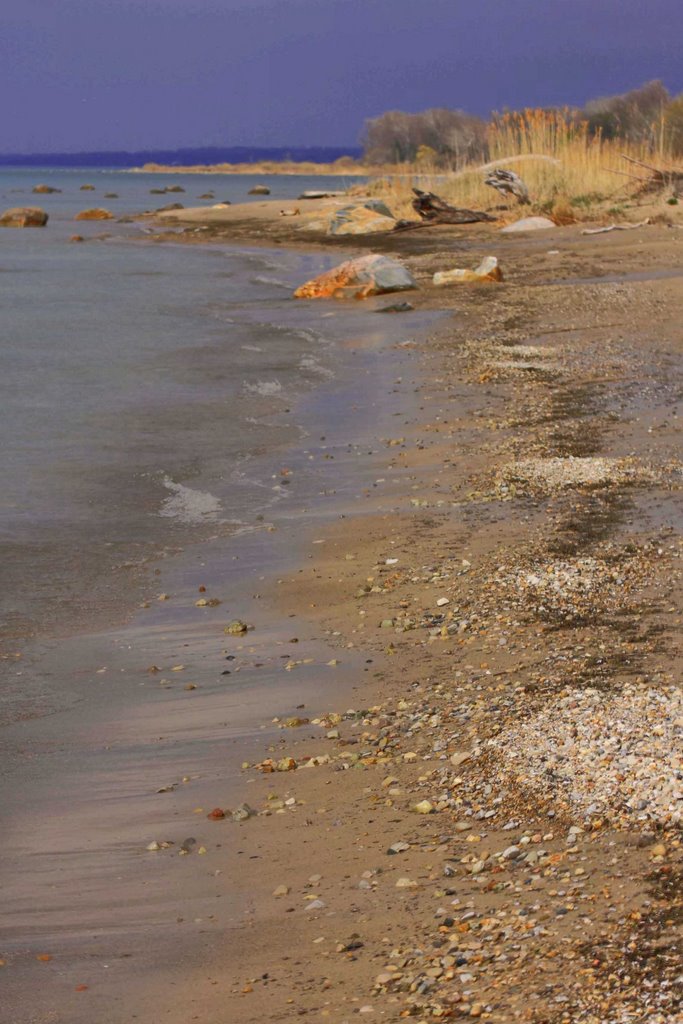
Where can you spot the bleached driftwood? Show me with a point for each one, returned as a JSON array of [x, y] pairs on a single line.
[[616, 227], [508, 183], [435, 210]]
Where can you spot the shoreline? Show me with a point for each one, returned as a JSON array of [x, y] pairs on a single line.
[[107, 749], [515, 378]]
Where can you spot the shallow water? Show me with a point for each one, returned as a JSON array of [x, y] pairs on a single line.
[[162, 406], [138, 384]]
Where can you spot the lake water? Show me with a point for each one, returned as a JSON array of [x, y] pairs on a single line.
[[138, 382]]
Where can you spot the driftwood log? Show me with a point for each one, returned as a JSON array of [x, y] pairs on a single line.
[[657, 179], [435, 210], [616, 227], [508, 183]]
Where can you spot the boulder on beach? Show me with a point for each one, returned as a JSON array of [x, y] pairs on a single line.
[[259, 190], [488, 270], [367, 218], [359, 278], [44, 190], [98, 213], [24, 217], [529, 224]]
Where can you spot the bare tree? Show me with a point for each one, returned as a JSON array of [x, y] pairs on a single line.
[[634, 116], [396, 137]]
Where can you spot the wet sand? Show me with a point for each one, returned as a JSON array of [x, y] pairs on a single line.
[[510, 895]]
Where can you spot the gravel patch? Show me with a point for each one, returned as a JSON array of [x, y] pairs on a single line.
[[555, 474], [574, 589], [621, 756]]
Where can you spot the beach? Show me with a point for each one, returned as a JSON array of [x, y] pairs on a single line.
[[442, 777]]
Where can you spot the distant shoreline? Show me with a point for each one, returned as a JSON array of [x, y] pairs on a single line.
[[339, 168]]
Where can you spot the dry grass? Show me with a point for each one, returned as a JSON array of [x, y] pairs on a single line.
[[569, 174]]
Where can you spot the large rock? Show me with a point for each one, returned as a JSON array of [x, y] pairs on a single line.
[[259, 190], [366, 218], [358, 278], [529, 224], [98, 213], [488, 270], [44, 190], [24, 217]]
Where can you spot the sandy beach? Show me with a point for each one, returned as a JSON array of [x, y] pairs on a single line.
[[464, 797]]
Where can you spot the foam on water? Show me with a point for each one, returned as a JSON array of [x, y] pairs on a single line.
[[189, 506]]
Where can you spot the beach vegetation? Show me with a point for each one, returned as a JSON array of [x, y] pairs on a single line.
[[571, 169]]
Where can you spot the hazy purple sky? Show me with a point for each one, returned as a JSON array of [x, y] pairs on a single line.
[[125, 74]]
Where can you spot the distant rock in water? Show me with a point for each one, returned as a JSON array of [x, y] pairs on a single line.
[[111, 195], [170, 206], [157, 191], [87, 188], [24, 217], [98, 213], [175, 188], [206, 195], [359, 278], [44, 190], [259, 190]]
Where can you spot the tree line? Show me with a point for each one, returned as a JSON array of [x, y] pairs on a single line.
[[647, 116]]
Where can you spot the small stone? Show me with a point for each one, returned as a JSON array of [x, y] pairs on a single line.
[[399, 847], [282, 890], [236, 627], [460, 758], [243, 813], [424, 807]]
